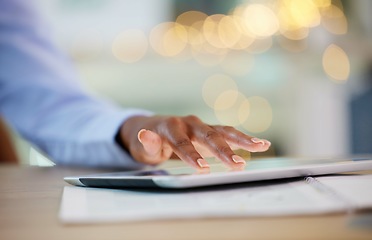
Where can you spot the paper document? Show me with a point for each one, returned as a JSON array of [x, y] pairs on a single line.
[[326, 195]]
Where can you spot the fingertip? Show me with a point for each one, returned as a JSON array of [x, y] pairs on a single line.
[[203, 166], [235, 163], [263, 144], [202, 163], [268, 143], [240, 163], [238, 159]]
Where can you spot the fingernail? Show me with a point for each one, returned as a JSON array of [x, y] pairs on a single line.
[[202, 163], [257, 140], [139, 135], [238, 159], [145, 134]]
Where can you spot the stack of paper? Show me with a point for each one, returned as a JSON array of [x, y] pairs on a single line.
[[319, 195]]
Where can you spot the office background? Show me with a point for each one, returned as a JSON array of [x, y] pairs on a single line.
[[286, 70]]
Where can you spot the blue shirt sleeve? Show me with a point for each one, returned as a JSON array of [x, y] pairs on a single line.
[[41, 98]]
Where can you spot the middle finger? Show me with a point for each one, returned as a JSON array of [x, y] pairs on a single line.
[[217, 145]]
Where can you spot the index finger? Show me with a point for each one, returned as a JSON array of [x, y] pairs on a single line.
[[236, 138], [217, 145], [185, 150]]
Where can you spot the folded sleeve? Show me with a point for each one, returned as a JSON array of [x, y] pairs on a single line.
[[40, 96]]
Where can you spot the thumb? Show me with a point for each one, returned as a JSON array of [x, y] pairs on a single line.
[[155, 149]]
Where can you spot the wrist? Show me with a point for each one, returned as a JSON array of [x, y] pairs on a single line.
[[119, 140]]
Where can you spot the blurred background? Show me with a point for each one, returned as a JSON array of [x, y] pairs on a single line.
[[296, 72]]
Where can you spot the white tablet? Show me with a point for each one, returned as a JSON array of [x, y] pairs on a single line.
[[255, 170]]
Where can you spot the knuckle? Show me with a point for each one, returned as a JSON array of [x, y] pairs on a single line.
[[173, 121], [222, 150], [192, 118], [211, 134], [228, 128], [182, 142]]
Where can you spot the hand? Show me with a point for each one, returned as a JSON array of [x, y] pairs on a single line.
[[153, 140]]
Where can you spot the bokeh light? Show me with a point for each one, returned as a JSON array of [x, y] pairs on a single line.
[[334, 20], [260, 20], [226, 100], [260, 45], [296, 34], [244, 42], [190, 17], [168, 39], [246, 37], [210, 30], [215, 85], [261, 115], [322, 3], [234, 114], [195, 34], [208, 55], [229, 31], [303, 13], [243, 153], [130, 46], [250, 26], [336, 63]]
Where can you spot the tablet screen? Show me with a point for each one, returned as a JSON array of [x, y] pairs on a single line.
[[252, 165]]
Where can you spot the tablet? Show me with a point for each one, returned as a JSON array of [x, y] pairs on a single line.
[[255, 170]]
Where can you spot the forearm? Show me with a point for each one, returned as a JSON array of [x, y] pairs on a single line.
[[72, 128]]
